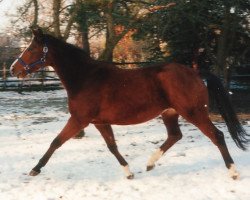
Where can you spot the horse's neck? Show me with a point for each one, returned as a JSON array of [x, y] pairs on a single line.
[[71, 69]]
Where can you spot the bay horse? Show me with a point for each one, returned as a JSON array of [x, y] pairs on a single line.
[[103, 94]]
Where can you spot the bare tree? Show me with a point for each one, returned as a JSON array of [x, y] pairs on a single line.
[[36, 10], [59, 20], [57, 16]]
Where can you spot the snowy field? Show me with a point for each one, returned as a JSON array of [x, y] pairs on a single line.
[[84, 169]]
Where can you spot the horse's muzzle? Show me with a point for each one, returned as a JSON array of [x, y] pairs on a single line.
[[12, 69]]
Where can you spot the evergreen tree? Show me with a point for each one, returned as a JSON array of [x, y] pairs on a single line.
[[197, 31]]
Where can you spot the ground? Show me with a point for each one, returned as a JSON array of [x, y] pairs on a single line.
[[85, 169]]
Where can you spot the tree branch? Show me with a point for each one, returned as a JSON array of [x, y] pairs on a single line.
[[71, 20], [56, 17], [36, 8], [96, 33], [64, 8]]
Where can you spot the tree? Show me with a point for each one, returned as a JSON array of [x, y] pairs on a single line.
[[104, 16], [198, 31], [233, 33], [88, 18], [129, 15], [60, 21], [107, 16], [57, 17], [36, 10]]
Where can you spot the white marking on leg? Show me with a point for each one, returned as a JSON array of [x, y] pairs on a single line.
[[127, 171], [233, 172], [155, 156]]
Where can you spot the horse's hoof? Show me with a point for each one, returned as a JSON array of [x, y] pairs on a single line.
[[131, 176], [34, 173], [233, 173], [150, 167], [235, 176]]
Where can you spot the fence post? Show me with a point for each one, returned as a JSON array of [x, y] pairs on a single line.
[[4, 76], [43, 77]]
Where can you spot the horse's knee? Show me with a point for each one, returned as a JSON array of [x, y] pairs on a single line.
[[219, 138], [112, 148], [176, 137], [56, 143]]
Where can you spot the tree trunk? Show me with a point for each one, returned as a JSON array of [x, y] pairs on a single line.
[[225, 45], [71, 19], [107, 54], [56, 18], [36, 9], [112, 38], [110, 45], [83, 29], [222, 44], [85, 42]]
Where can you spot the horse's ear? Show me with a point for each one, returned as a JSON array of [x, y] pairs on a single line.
[[38, 33]]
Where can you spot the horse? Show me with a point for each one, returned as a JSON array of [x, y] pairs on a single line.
[[102, 94]]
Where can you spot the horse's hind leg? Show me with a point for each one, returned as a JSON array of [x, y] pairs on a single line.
[[80, 135], [71, 128], [202, 121], [107, 133], [170, 119]]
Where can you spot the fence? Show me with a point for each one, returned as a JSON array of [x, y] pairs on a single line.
[[48, 80], [43, 80]]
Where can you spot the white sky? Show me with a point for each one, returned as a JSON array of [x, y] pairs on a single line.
[[7, 8]]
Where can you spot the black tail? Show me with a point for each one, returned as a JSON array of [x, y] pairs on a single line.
[[218, 92]]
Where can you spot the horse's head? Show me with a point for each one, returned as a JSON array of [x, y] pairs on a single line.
[[33, 57]]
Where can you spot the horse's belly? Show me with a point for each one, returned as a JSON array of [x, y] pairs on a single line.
[[127, 116]]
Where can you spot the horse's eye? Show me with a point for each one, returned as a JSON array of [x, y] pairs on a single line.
[[29, 49]]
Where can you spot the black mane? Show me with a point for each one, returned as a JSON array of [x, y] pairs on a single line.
[[64, 46]]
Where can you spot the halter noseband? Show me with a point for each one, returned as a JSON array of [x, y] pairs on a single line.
[[42, 60]]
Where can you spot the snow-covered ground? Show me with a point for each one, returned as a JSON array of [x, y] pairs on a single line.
[[84, 169]]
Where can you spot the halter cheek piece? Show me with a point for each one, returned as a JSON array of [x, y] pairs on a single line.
[[42, 60]]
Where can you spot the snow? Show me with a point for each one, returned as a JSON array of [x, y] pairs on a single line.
[[85, 169]]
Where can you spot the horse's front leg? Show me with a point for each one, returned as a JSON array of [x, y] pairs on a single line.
[[71, 129], [109, 138]]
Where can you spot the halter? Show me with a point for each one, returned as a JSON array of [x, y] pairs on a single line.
[[42, 60]]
